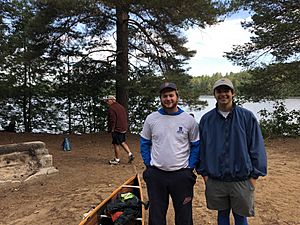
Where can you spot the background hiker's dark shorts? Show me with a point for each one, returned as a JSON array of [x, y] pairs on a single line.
[[118, 138], [238, 196]]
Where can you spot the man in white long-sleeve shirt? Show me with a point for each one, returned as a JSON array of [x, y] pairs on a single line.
[[170, 149]]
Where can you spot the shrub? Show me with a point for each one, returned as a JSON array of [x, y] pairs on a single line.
[[280, 122]]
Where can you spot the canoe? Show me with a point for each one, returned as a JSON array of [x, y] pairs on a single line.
[[98, 216]]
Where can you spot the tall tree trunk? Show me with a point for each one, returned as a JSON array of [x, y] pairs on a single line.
[[29, 111], [27, 98], [69, 97], [122, 56], [24, 102]]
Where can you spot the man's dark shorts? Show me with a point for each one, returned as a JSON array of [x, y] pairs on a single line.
[[118, 138]]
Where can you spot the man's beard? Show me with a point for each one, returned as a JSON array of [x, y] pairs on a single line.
[[173, 105]]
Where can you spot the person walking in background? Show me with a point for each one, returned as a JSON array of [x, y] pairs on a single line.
[[169, 146], [117, 126], [232, 156]]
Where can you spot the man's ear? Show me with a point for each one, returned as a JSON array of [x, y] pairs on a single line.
[[233, 93]]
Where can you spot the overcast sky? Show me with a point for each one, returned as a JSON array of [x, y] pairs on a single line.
[[212, 42]]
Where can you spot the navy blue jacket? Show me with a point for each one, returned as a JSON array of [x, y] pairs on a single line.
[[232, 148]]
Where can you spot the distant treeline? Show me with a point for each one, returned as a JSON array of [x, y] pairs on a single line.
[[203, 84]]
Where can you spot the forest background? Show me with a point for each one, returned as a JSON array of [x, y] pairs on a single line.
[[59, 58]]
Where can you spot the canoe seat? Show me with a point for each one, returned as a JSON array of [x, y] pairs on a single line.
[[130, 186]]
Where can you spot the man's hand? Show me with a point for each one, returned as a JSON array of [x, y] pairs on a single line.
[[252, 181]]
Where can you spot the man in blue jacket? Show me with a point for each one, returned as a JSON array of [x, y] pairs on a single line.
[[232, 156], [170, 149]]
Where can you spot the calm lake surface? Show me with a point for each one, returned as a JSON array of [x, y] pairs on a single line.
[[290, 103]]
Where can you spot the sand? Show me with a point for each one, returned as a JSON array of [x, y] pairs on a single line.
[[85, 178]]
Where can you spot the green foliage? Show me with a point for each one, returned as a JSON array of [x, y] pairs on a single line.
[[275, 81], [273, 50], [280, 122], [276, 26]]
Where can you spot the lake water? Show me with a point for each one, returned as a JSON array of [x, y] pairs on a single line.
[[290, 103]]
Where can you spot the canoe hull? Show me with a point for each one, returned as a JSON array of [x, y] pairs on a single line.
[[97, 215]]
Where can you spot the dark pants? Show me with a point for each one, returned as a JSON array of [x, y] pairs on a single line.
[[177, 184], [118, 138]]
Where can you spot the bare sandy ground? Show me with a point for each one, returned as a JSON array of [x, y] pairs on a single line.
[[85, 178]]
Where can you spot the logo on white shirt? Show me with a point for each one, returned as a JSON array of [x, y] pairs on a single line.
[[180, 130]]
